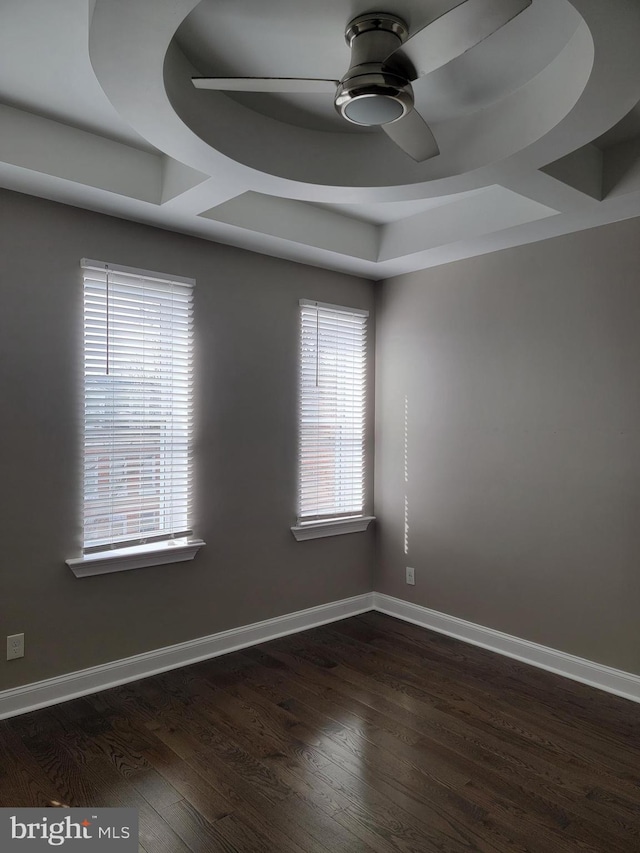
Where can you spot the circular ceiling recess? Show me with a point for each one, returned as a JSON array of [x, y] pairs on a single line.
[[490, 102], [550, 81]]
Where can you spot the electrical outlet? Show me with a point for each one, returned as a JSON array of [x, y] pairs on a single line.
[[15, 646], [411, 576]]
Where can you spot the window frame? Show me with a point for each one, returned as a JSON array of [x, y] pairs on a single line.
[[150, 548], [341, 523]]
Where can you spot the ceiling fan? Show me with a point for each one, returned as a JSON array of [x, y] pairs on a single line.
[[385, 60]]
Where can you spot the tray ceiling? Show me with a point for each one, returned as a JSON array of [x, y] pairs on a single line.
[[538, 127]]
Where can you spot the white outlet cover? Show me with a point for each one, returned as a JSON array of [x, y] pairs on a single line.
[[15, 646]]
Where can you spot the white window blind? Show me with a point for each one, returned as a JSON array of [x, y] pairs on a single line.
[[137, 406], [332, 411]]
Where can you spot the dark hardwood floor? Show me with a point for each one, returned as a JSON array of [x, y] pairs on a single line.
[[364, 735]]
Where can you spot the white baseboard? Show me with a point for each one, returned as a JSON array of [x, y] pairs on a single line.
[[579, 669], [40, 694]]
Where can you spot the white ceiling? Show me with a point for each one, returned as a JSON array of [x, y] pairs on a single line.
[[538, 127]]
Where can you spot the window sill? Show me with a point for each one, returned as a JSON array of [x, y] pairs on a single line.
[[135, 557], [336, 527]]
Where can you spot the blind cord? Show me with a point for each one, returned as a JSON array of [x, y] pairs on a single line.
[[317, 346], [107, 349]]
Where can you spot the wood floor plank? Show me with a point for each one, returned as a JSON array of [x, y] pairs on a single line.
[[552, 740], [412, 791], [498, 751], [368, 735], [492, 751], [446, 695], [420, 808], [557, 694], [297, 818], [194, 789], [196, 831], [24, 784]]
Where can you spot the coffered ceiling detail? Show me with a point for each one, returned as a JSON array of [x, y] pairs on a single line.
[[538, 127]]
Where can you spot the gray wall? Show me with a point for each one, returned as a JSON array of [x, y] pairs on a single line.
[[246, 310], [521, 376]]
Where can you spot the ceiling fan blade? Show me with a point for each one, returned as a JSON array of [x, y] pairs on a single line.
[[413, 135], [304, 85], [455, 32]]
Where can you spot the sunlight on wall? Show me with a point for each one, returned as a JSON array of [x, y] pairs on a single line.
[[406, 475]]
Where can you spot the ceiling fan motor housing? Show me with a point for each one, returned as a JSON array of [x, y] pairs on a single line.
[[370, 93]]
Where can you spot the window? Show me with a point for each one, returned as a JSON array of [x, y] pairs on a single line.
[[331, 420], [137, 419]]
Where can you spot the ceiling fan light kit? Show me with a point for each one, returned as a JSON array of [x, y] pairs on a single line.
[[376, 89], [374, 99], [370, 94]]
